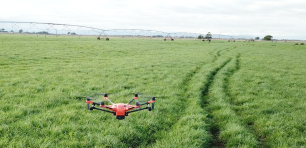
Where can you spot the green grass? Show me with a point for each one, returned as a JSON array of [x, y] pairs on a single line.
[[214, 94]]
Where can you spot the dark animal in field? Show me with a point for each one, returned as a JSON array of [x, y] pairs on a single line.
[[209, 40], [107, 39], [296, 44], [165, 39], [172, 39], [203, 40], [302, 43], [98, 38]]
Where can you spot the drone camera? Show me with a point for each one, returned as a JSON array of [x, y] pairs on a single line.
[[120, 117]]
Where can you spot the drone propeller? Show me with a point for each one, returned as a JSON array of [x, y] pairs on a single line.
[[135, 97], [104, 94], [105, 97], [139, 93], [89, 98], [136, 94], [155, 97]]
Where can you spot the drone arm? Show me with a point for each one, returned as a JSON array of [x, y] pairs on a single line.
[[108, 100], [88, 102], [131, 101], [137, 110], [102, 110], [135, 97], [149, 102]]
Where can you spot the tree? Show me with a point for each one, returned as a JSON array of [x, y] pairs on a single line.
[[2, 30], [208, 36], [268, 37], [200, 36], [68, 33], [42, 32], [257, 38], [20, 31]]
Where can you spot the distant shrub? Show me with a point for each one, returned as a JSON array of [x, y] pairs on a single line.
[[302, 43], [296, 44]]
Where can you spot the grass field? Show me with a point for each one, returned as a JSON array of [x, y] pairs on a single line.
[[219, 94]]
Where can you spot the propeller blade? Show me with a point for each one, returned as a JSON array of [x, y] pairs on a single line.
[[105, 94], [89, 98], [101, 93], [156, 97]]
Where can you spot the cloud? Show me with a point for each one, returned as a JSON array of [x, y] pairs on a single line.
[[281, 18]]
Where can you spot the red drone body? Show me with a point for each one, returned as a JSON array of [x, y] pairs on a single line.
[[120, 110]]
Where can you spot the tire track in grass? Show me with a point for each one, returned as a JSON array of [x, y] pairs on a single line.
[[226, 127], [234, 69], [204, 102], [189, 130], [178, 105], [192, 128]]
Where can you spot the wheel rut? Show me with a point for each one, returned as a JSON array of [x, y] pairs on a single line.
[[227, 128], [182, 98], [236, 67], [191, 84], [214, 129]]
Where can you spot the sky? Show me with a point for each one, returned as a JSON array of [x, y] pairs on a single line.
[[283, 19]]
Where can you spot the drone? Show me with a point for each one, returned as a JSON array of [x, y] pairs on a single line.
[[120, 110]]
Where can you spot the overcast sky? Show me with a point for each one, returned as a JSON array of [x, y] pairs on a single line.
[[280, 18]]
